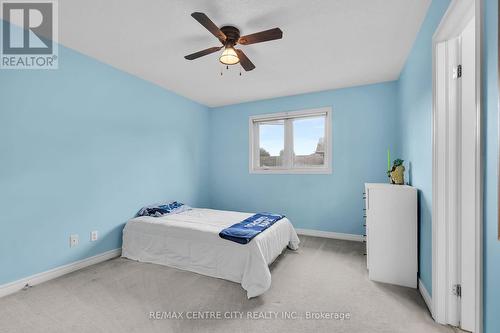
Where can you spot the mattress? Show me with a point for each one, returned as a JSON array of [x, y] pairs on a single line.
[[190, 241]]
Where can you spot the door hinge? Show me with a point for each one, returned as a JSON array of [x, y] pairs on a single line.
[[457, 290], [457, 72]]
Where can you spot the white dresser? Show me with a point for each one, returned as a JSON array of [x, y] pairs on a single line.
[[391, 233]]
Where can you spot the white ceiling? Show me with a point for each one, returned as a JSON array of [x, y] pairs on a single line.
[[326, 43]]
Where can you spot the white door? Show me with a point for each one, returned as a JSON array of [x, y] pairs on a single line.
[[456, 202], [456, 178], [467, 174]]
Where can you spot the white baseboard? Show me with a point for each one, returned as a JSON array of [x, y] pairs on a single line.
[[329, 234], [425, 295], [12, 287]]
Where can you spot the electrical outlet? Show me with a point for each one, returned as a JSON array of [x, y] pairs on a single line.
[[73, 240], [94, 235]]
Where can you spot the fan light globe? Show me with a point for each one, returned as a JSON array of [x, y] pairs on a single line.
[[229, 57]]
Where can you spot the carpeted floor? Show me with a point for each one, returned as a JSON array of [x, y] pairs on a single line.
[[327, 277]]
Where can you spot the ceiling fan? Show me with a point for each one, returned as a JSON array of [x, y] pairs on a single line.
[[229, 36]]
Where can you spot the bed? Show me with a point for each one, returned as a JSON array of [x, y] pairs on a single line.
[[190, 241]]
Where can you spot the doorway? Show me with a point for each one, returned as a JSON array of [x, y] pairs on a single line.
[[457, 189]]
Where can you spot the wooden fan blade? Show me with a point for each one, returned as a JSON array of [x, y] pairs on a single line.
[[209, 25], [202, 53], [244, 61], [262, 36]]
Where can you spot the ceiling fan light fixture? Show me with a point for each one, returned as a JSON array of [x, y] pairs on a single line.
[[229, 56], [229, 36]]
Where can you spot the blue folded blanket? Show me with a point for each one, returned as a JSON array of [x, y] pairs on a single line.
[[244, 231], [162, 209]]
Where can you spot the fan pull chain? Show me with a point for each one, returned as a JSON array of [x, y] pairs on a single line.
[[240, 70]]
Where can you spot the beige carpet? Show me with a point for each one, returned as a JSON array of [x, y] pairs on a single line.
[[324, 276]]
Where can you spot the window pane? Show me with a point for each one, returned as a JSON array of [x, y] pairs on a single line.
[[272, 143], [308, 142]]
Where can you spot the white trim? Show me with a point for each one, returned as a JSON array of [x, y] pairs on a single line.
[[253, 141], [12, 287], [307, 171], [452, 183], [479, 167], [330, 234], [439, 242], [457, 15], [425, 295]]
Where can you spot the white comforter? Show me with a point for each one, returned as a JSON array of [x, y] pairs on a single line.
[[190, 241]]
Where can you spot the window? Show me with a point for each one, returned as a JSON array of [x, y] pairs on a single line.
[[291, 142]]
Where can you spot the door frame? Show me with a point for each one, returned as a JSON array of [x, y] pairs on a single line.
[[441, 308]]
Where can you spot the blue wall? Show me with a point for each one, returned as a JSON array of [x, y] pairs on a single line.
[[364, 126], [82, 148], [415, 106], [490, 121]]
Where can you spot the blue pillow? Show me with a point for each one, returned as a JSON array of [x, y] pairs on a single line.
[[162, 209]]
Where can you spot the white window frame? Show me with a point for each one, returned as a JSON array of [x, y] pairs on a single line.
[[254, 144]]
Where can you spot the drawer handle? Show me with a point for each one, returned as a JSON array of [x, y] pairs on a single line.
[[368, 199]]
